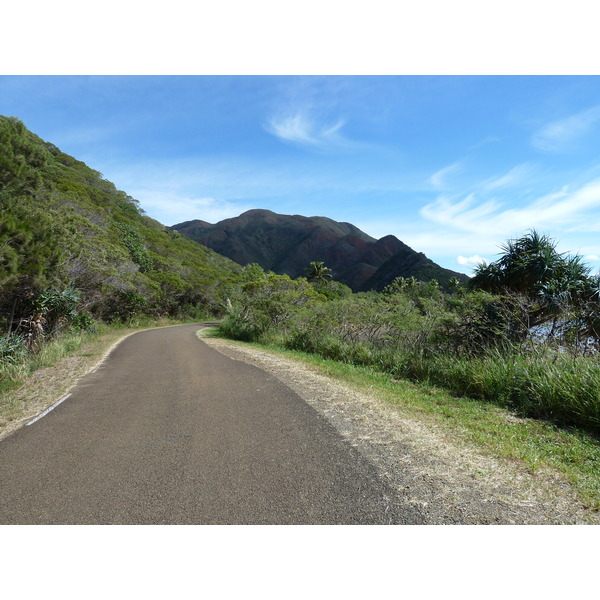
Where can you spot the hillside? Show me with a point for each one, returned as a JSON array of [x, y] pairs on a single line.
[[62, 224], [288, 243]]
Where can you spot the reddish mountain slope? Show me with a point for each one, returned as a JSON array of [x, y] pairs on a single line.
[[288, 243]]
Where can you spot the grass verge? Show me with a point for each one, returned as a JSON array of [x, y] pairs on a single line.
[[571, 455]]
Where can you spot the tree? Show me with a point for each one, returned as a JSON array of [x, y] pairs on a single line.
[[395, 286], [455, 285], [318, 272], [527, 265], [553, 283], [487, 277]]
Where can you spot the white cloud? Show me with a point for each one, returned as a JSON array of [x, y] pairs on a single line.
[[592, 257], [517, 175], [484, 142], [211, 177], [78, 140], [301, 129], [465, 214], [471, 260], [561, 134]]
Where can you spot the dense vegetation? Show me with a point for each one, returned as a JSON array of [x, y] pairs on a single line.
[[74, 249], [527, 341]]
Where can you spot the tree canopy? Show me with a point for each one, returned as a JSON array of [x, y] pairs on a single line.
[[318, 272]]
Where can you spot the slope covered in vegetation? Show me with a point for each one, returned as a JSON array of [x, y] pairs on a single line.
[[70, 242]]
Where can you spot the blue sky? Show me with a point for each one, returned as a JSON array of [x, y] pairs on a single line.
[[451, 165]]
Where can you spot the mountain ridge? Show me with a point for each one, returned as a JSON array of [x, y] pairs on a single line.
[[286, 244]]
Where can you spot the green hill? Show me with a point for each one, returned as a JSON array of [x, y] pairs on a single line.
[[63, 225]]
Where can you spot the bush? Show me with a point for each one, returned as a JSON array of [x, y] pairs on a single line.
[[12, 348]]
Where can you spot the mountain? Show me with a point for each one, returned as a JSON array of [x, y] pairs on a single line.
[[63, 225], [289, 243]]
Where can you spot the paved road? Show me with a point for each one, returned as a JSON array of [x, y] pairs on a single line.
[[170, 431]]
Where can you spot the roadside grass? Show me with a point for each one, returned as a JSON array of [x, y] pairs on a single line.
[[570, 454], [30, 385]]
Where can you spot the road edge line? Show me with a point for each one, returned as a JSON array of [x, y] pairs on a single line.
[[50, 408]]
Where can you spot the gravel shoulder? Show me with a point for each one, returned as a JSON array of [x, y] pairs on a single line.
[[447, 481]]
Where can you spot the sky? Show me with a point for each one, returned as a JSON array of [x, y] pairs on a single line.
[[451, 165]]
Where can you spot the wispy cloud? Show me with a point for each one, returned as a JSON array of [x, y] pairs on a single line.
[[466, 213], [484, 142], [80, 138], [517, 175], [562, 133], [439, 178], [304, 128], [578, 208], [442, 179], [456, 250]]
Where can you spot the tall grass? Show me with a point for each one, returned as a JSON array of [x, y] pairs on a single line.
[[562, 389], [21, 364]]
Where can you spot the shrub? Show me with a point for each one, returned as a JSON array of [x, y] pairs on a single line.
[[12, 348]]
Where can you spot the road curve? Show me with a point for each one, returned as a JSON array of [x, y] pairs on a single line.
[[170, 431]]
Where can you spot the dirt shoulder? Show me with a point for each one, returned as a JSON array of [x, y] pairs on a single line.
[[449, 482]]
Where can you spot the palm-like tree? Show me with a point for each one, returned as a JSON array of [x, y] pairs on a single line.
[[396, 285], [318, 272], [454, 284], [531, 266], [411, 282], [489, 277], [529, 263]]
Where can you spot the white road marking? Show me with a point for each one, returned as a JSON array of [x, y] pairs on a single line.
[[47, 410]]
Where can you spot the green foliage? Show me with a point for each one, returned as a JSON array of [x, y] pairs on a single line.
[[333, 290], [478, 322], [266, 303], [555, 284], [62, 225], [318, 272], [12, 348], [134, 242], [126, 306], [58, 308], [31, 252], [252, 272], [455, 285]]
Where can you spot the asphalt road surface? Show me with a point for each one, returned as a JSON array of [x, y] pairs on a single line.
[[170, 431]]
